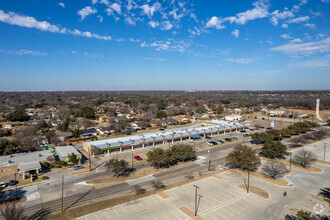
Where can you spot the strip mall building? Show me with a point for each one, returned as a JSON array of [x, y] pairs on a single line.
[[213, 127]]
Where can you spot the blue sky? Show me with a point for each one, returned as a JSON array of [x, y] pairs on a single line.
[[164, 45]]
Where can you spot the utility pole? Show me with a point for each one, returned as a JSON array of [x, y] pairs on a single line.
[[248, 188], [62, 193], [89, 160], [196, 187], [325, 144], [15, 187]]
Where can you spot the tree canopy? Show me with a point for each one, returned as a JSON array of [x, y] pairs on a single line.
[[18, 115], [243, 156], [118, 167], [272, 149]]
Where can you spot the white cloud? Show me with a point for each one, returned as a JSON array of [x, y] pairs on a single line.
[[299, 19], [153, 24], [130, 21], [155, 59], [100, 17], [240, 60], [235, 33], [310, 25], [325, 1], [24, 52], [116, 7], [30, 22], [93, 55], [286, 36], [150, 10], [61, 4], [322, 46], [260, 10], [84, 12], [94, 2], [215, 22], [166, 25], [284, 26], [276, 15], [297, 40]]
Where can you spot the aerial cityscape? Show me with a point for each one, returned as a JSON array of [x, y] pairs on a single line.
[[164, 110]]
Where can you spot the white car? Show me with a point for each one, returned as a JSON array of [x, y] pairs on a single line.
[[3, 184]]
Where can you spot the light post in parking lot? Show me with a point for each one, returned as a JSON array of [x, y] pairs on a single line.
[[208, 153], [196, 187], [290, 160], [325, 145]]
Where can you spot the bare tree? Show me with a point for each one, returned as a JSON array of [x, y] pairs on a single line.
[[13, 212], [157, 184], [297, 140], [275, 169], [304, 157], [138, 190]]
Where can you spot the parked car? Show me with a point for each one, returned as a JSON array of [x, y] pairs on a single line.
[[152, 148], [243, 131], [228, 139], [269, 129], [207, 137], [212, 143], [251, 129], [246, 135], [3, 184], [12, 182], [220, 142], [137, 157], [234, 138], [78, 167], [162, 129]]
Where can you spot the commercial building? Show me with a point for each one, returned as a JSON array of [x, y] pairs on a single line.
[[233, 117], [64, 152], [170, 135], [23, 162]]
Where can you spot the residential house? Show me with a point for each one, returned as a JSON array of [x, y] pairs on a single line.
[[88, 133], [64, 152], [170, 121]]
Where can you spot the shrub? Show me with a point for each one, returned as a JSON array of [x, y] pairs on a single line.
[[57, 166], [46, 164], [263, 118], [45, 178], [26, 176]]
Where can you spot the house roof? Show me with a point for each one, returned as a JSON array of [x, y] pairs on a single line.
[[88, 131]]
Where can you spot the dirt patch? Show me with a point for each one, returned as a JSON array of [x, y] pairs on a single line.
[[256, 190], [323, 162], [278, 181], [311, 169], [320, 198], [28, 181], [137, 174]]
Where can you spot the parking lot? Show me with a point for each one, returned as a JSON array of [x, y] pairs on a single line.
[[221, 199]]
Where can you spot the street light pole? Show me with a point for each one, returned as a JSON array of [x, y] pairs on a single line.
[[248, 188], [325, 144], [290, 160], [196, 187], [208, 153], [194, 146], [62, 193], [89, 160]]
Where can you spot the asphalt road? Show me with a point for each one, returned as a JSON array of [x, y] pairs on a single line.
[[217, 156]]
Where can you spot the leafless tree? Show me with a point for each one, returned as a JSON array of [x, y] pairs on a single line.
[[157, 184], [304, 157], [138, 190], [11, 211], [297, 140], [275, 169]]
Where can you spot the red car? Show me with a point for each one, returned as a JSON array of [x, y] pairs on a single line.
[[137, 158]]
